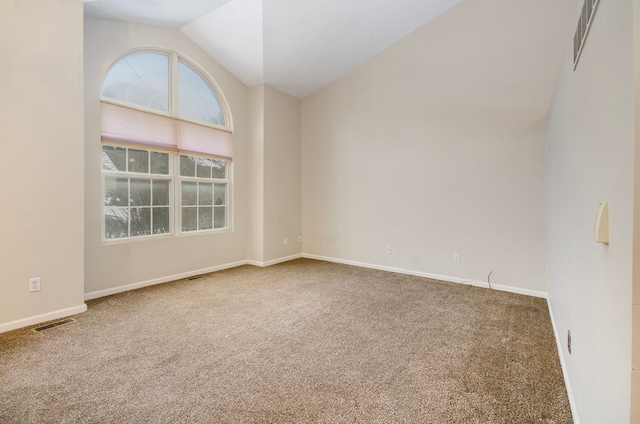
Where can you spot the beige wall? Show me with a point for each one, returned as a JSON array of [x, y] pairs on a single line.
[[109, 266], [255, 169], [275, 212], [590, 154], [282, 175], [41, 110], [436, 147], [635, 361]]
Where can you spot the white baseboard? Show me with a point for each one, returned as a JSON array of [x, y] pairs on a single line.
[[563, 364], [166, 279], [475, 283], [38, 319], [275, 261], [518, 290]]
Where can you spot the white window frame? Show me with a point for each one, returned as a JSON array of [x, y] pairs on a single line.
[[174, 178], [142, 176], [180, 179]]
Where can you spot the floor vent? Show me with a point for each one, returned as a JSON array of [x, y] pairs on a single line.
[[584, 24], [55, 324], [197, 277]]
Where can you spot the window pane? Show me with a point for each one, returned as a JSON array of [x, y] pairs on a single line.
[[116, 222], [197, 100], [189, 219], [161, 193], [161, 221], [220, 194], [114, 158], [140, 222], [189, 194], [116, 191], [219, 168], [205, 218], [139, 161], [220, 218], [204, 169], [141, 79], [160, 163], [205, 192], [140, 192], [187, 166]]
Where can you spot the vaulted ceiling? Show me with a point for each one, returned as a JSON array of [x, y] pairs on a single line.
[[296, 46]]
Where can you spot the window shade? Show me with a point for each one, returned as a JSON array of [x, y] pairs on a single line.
[[198, 139], [119, 123], [126, 125]]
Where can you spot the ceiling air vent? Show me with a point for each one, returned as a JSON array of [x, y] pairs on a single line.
[[586, 17]]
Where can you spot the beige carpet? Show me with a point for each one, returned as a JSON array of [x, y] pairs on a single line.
[[304, 342]]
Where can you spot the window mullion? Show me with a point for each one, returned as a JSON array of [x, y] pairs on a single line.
[[151, 205], [197, 204], [177, 195], [130, 215], [173, 85]]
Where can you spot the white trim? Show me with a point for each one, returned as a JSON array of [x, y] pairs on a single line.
[[563, 364], [166, 279], [174, 59], [213, 85], [518, 290], [475, 283], [38, 319], [275, 261]]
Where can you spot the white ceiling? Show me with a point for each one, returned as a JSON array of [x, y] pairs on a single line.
[[296, 46], [166, 13]]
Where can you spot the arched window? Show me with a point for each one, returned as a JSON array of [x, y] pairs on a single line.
[[166, 147]]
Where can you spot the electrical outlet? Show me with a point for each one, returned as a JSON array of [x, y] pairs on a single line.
[[34, 284], [286, 241], [300, 239], [388, 250], [456, 258], [569, 341]]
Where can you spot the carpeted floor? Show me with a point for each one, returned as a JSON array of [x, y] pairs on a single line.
[[304, 341]]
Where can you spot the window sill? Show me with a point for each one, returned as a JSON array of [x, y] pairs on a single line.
[[165, 236]]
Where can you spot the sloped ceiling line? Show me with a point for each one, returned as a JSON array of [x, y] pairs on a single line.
[[296, 46]]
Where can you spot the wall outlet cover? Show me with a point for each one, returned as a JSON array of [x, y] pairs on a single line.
[[34, 284]]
